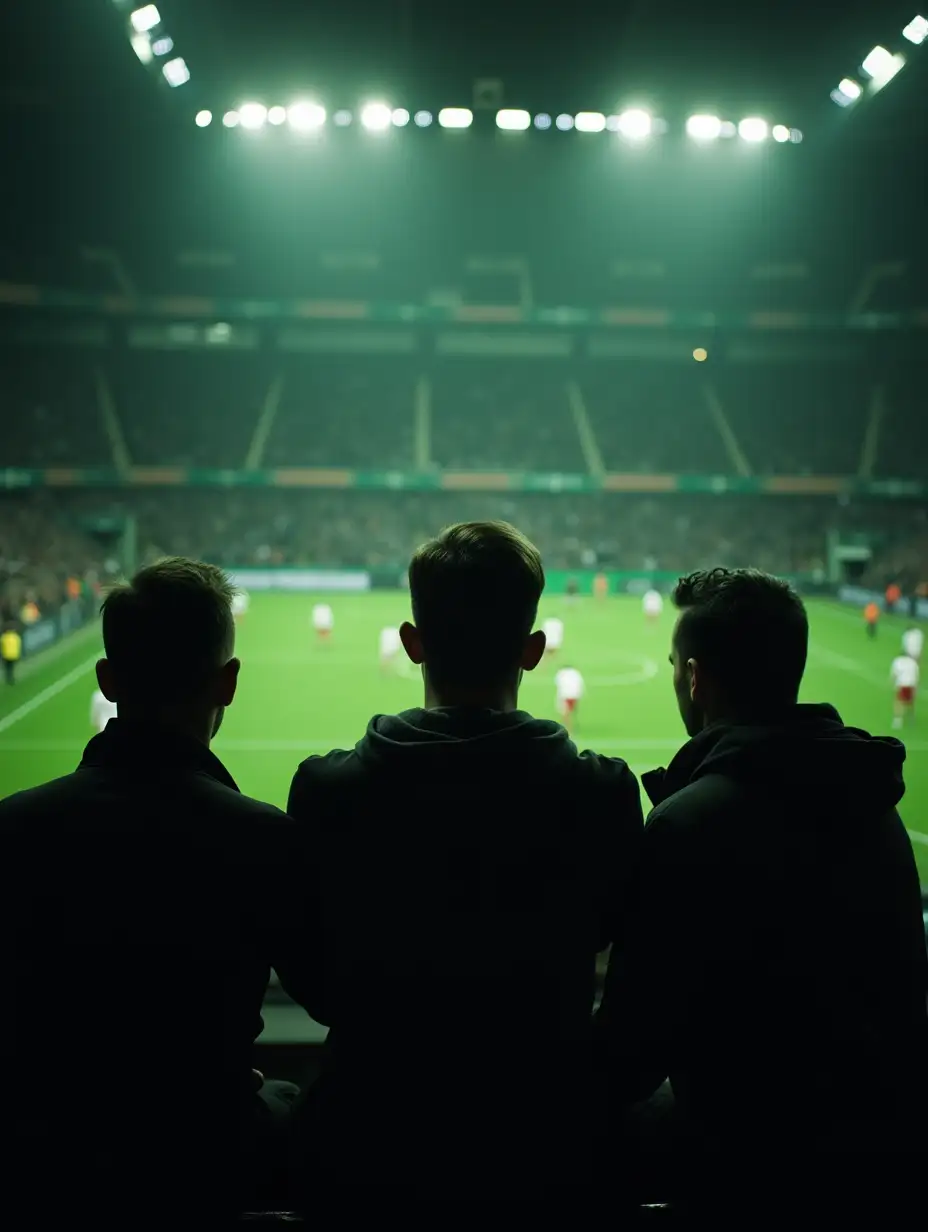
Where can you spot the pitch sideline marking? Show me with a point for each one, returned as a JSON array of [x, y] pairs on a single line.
[[56, 687]]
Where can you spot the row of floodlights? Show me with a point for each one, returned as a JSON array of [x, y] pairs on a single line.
[[634, 124], [152, 43], [880, 66]]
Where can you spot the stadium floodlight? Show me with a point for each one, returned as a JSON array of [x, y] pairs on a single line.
[[589, 121], [141, 45], [704, 127], [401, 117], [795, 135], [634, 124], [513, 120], [306, 117], [377, 117], [455, 117], [204, 119], [565, 123], [162, 46], [277, 115], [231, 119], [753, 129], [343, 118], [252, 115], [145, 18], [176, 72], [543, 121], [780, 133], [423, 119], [881, 66], [916, 31], [846, 92]]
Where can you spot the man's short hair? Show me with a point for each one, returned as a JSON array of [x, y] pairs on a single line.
[[748, 630], [475, 590], [167, 629]]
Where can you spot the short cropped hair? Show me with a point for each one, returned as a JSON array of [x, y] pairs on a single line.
[[475, 590], [748, 630], [167, 629]]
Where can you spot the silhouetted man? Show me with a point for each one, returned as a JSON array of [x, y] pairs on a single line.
[[143, 902], [472, 864], [774, 966]]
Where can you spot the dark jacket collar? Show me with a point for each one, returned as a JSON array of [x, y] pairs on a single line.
[[153, 749]]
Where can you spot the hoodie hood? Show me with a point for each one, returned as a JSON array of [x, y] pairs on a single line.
[[452, 737], [807, 754]]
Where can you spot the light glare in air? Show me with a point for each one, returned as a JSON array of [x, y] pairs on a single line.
[[881, 66], [589, 122], [252, 115], [176, 72], [204, 119], [753, 129], [635, 124], [230, 119], [377, 117], [455, 117], [780, 133], [277, 115], [400, 117], [513, 120], [306, 117], [141, 45], [704, 127], [145, 18]]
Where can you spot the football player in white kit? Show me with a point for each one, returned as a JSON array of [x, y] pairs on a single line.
[[913, 640], [240, 601], [323, 621], [569, 685], [652, 605], [101, 711], [554, 636], [905, 675], [390, 646]]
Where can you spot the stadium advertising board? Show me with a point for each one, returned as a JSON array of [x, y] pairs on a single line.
[[301, 579], [860, 596]]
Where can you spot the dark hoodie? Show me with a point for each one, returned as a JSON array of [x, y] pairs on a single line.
[[473, 863], [775, 966]]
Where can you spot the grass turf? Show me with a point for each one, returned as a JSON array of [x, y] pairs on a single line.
[[297, 696]]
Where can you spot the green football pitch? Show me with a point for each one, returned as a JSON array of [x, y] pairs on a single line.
[[298, 697]]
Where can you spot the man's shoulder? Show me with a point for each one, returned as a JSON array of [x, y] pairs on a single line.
[[697, 805], [34, 801], [336, 766], [590, 766]]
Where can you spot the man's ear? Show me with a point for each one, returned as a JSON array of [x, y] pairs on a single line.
[[692, 669], [105, 680], [534, 650], [227, 682], [412, 643]]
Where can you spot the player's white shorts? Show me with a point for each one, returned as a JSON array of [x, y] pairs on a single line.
[[390, 644], [567, 705]]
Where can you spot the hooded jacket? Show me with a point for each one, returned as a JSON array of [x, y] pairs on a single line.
[[472, 865], [774, 966], [144, 902]]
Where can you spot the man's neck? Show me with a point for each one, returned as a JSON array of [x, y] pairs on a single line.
[[193, 727], [504, 700]]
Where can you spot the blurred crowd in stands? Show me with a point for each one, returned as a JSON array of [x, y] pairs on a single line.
[[70, 407], [226, 408], [47, 535]]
